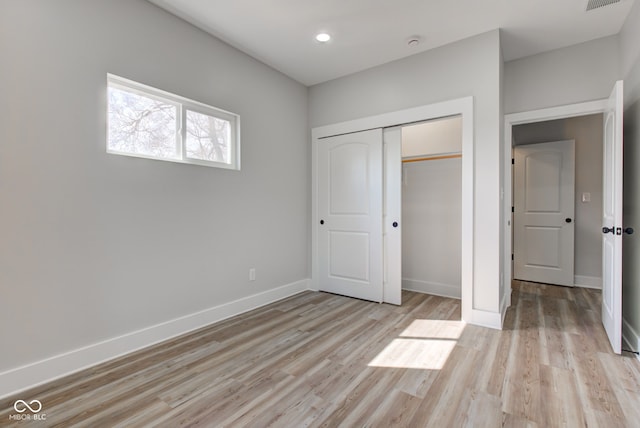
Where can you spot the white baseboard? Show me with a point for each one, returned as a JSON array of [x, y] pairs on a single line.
[[22, 378], [435, 288], [587, 281], [486, 319], [630, 338]]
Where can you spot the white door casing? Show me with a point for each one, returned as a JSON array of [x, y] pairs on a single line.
[[349, 230], [612, 219], [544, 212]]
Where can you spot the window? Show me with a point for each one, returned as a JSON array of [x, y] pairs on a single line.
[[150, 123]]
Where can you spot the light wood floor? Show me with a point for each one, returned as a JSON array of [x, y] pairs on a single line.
[[322, 360]]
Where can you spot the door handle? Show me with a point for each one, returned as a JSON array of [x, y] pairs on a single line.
[[608, 230]]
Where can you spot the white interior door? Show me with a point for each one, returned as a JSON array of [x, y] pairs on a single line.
[[349, 229], [612, 220], [392, 227], [544, 212]]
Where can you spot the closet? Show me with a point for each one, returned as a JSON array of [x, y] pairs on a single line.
[[432, 206]]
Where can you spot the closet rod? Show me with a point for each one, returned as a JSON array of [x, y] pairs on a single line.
[[432, 158]]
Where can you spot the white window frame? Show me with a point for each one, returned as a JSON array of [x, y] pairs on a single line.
[[183, 105]]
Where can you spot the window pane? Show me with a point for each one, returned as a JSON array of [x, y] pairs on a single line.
[[208, 138], [141, 125]]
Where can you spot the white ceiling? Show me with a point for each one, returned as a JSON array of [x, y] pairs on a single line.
[[367, 33]]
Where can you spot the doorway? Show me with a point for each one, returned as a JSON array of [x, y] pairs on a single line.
[[572, 253], [611, 222], [513, 120]]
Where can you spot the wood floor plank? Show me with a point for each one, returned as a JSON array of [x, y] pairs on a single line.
[[317, 359], [396, 410], [628, 403], [360, 410], [479, 409], [622, 370], [417, 382], [555, 382], [439, 408], [512, 421], [595, 388], [140, 417], [499, 365], [344, 402], [522, 382]]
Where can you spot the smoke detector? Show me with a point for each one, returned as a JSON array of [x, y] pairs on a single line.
[[414, 41], [596, 4]]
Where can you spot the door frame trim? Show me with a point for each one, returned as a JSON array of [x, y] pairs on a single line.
[[459, 106], [510, 120]]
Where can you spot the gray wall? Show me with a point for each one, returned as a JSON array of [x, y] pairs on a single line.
[[466, 68], [587, 132], [431, 234], [569, 75], [435, 137], [630, 65], [94, 245]]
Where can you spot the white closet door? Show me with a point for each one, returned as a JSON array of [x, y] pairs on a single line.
[[349, 230]]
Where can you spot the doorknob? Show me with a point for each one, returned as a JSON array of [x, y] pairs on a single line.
[[608, 230], [567, 220], [321, 221], [395, 224], [629, 230]]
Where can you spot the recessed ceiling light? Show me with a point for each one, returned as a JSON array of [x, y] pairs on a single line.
[[323, 37]]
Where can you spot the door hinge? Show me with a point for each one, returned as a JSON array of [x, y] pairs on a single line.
[[513, 209], [511, 257], [513, 161]]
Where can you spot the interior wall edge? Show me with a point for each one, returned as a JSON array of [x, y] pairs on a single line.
[[505, 302], [32, 375], [630, 338], [585, 281]]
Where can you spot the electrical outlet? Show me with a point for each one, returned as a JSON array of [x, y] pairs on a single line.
[[252, 274]]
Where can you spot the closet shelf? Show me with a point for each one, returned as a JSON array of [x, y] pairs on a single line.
[[428, 158]]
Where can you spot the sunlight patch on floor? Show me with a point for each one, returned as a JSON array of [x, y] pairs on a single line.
[[425, 345], [434, 329]]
